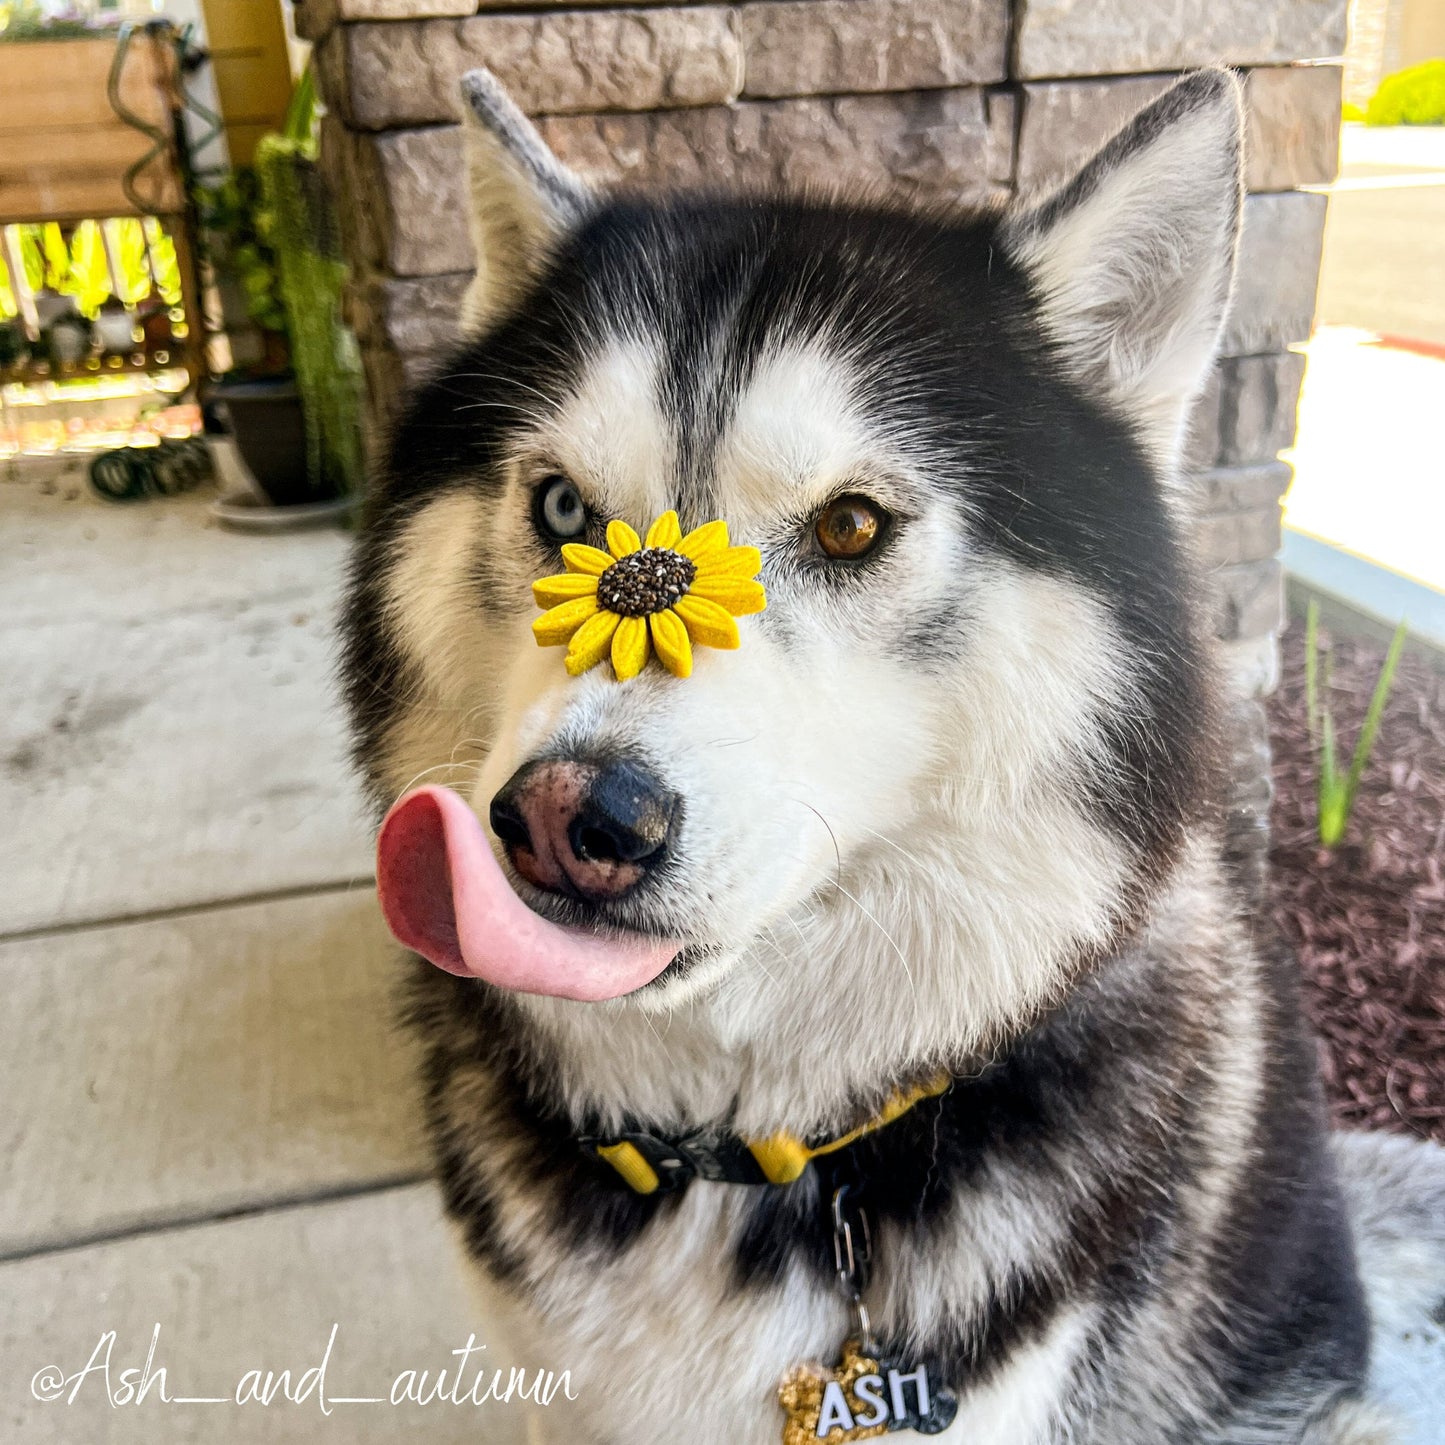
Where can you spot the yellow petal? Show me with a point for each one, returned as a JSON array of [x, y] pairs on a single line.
[[621, 539], [707, 623], [738, 596], [664, 532], [734, 562], [549, 591], [579, 557], [557, 625], [670, 640], [704, 540], [591, 642], [629, 647]]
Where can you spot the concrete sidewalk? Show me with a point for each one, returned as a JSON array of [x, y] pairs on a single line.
[[1383, 267], [1369, 458], [208, 1122]]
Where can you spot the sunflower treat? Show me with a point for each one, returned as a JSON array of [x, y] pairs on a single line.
[[663, 593]]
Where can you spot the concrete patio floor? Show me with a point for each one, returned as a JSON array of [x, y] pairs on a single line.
[[208, 1123]]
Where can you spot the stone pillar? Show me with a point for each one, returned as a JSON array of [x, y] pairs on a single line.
[[977, 99], [904, 92]]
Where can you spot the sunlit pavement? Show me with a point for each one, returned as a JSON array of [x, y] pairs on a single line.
[[1384, 259], [1370, 458]]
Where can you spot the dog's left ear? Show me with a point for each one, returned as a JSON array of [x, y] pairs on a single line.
[[1133, 258], [523, 199]]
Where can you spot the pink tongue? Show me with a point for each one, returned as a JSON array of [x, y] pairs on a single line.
[[445, 896]]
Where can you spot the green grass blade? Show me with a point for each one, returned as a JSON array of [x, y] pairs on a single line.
[[1312, 686], [1329, 783], [1331, 796], [1365, 745]]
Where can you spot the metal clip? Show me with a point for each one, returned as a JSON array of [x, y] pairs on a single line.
[[853, 1257]]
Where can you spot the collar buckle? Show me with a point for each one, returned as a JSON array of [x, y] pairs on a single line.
[[651, 1164]]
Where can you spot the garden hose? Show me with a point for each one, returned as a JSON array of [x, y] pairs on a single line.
[[130, 474], [162, 140]]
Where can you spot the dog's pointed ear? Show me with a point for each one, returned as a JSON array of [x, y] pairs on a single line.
[[1133, 258], [523, 199]]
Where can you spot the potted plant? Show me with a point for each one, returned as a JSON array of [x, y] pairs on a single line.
[[297, 432]]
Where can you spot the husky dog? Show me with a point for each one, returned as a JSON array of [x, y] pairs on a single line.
[[950, 807]]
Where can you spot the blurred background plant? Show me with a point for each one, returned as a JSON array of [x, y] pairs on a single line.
[[1413, 96], [233, 213], [298, 226], [34, 20]]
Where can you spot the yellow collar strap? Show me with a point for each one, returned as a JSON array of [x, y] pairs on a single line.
[[649, 1162]]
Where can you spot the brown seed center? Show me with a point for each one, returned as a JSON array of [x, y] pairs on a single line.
[[645, 582]]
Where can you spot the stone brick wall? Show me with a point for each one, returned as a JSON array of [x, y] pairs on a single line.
[[967, 98]]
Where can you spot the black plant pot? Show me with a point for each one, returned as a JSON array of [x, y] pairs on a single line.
[[269, 425]]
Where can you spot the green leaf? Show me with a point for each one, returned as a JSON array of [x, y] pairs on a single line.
[[299, 125], [1329, 765], [1333, 818], [1331, 797], [1312, 693], [1337, 791], [1366, 742]]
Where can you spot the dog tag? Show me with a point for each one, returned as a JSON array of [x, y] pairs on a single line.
[[860, 1398]]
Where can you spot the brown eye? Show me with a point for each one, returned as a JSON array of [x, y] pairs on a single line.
[[849, 528]]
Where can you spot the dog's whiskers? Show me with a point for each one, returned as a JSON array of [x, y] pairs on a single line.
[[838, 884], [462, 766], [884, 838], [837, 851], [661, 1042], [893, 942], [506, 381], [766, 936]]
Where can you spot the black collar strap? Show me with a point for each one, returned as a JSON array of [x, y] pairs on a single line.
[[652, 1162]]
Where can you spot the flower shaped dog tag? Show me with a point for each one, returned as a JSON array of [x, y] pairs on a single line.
[[662, 593]]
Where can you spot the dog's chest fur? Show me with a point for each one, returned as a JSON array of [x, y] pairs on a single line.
[[1120, 1222]]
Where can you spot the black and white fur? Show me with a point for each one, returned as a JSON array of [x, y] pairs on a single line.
[[954, 805]]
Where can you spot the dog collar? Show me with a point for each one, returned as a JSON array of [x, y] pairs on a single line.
[[650, 1162]]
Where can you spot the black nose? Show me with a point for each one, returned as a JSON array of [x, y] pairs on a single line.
[[585, 829]]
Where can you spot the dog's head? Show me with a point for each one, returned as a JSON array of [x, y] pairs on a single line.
[[962, 745]]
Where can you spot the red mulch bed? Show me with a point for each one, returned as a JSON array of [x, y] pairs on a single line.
[[1368, 919]]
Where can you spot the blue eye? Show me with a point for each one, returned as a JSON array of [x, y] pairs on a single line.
[[559, 509]]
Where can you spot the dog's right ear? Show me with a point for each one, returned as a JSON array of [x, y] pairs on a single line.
[[523, 199]]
